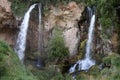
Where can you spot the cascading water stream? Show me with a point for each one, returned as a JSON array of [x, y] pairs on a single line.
[[90, 38], [89, 11], [87, 62], [21, 40]]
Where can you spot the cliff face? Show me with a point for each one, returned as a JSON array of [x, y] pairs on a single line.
[[8, 24], [33, 32], [65, 17]]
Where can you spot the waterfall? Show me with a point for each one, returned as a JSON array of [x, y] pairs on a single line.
[[87, 62], [40, 38], [90, 12], [90, 38], [21, 40]]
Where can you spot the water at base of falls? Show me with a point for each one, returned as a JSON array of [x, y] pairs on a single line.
[[84, 64]]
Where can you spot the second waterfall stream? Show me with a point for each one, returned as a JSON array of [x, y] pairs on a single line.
[[21, 40], [87, 62]]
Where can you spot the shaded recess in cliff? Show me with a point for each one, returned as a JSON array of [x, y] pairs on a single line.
[[34, 43], [32, 33], [8, 27]]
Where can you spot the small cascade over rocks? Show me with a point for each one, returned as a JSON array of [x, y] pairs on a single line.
[[21, 40], [87, 62]]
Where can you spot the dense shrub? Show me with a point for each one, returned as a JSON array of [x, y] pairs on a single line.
[[19, 7], [56, 47]]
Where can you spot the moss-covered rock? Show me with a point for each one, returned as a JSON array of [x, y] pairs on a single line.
[[81, 49], [82, 44]]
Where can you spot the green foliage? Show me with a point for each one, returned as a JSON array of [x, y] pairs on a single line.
[[112, 67], [19, 7], [106, 14], [105, 9], [56, 47], [82, 49], [83, 43], [3, 52], [49, 73], [10, 66], [111, 73], [106, 22], [113, 60]]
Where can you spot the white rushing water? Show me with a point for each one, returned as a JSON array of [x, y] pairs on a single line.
[[21, 40], [87, 62], [90, 38]]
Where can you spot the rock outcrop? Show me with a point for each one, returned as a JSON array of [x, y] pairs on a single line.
[[6, 5], [66, 17], [8, 26]]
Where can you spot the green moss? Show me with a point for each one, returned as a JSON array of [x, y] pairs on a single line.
[[82, 44], [10, 66], [81, 49]]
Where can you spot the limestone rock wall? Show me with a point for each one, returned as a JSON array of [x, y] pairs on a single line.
[[66, 17]]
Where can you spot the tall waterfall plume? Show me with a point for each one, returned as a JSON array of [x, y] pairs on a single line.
[[87, 62], [21, 40]]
